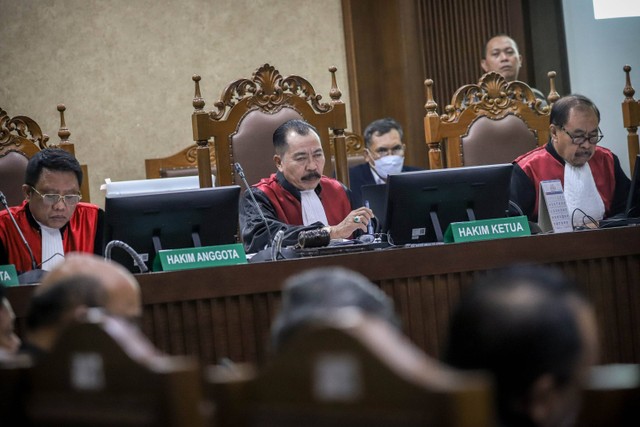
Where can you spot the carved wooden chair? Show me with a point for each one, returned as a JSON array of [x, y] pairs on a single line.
[[490, 122], [184, 162], [65, 144], [352, 369], [20, 138], [104, 372], [248, 112], [631, 118]]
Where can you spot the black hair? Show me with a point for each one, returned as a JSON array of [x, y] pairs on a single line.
[[519, 324], [3, 292], [562, 108], [48, 307], [381, 127], [55, 159], [486, 44], [314, 294], [280, 135]]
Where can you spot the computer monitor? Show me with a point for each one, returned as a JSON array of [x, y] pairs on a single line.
[[420, 205], [171, 220], [376, 196]]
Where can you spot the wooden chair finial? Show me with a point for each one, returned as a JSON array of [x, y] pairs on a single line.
[[553, 93], [63, 132], [198, 101], [335, 92], [628, 90], [430, 106]]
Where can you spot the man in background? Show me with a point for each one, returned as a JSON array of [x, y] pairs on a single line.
[[314, 295], [54, 307], [384, 153], [298, 197], [537, 335], [122, 291], [52, 218], [502, 56]]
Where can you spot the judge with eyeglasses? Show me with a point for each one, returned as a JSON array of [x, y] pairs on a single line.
[[52, 218], [594, 184]]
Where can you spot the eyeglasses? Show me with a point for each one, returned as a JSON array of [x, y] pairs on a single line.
[[581, 139], [384, 151], [52, 199]]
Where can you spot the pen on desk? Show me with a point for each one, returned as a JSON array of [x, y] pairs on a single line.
[[370, 225]]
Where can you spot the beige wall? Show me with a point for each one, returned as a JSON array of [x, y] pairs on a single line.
[[123, 67]]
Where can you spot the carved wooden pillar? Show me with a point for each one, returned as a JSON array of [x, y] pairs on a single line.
[[203, 153], [432, 128], [631, 118]]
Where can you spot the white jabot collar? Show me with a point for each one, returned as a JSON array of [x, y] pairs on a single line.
[[580, 192], [312, 209], [52, 249]]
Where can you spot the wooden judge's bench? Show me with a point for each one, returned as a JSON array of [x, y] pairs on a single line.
[[225, 312]]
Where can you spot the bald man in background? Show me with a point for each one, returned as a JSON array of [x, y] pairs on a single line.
[[122, 289]]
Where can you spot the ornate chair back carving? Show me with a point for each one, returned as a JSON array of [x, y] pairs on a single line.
[[20, 138], [248, 112], [493, 121], [631, 118], [357, 370]]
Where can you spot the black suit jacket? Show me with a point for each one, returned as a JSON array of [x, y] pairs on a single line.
[[361, 175]]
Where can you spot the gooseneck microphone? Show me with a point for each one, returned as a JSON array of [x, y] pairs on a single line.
[[35, 274], [137, 259], [242, 176]]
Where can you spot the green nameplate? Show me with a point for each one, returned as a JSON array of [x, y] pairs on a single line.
[[8, 275], [206, 256], [487, 229]]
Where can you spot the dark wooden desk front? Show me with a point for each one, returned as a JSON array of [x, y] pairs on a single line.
[[226, 311]]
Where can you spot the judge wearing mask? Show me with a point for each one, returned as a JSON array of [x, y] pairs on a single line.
[[595, 187], [298, 197], [384, 153]]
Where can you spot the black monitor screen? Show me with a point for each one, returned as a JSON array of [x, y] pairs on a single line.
[[420, 205], [171, 220]]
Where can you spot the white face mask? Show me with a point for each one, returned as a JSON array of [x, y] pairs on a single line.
[[389, 164]]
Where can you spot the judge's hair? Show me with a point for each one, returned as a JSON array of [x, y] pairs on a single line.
[[300, 127], [562, 108], [54, 159]]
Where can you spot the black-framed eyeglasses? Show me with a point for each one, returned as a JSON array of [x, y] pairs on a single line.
[[52, 199], [384, 151], [581, 139]]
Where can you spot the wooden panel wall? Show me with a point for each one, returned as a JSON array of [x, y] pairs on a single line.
[[454, 33], [392, 46]]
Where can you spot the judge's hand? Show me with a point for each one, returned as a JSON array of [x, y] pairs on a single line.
[[356, 220]]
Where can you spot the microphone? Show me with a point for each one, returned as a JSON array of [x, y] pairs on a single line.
[[275, 249], [35, 274], [137, 259], [240, 173]]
